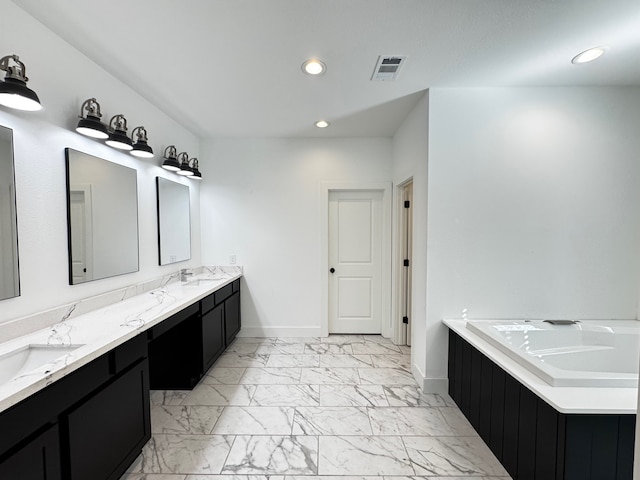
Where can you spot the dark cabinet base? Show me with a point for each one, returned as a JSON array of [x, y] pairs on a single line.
[[93, 423], [107, 432], [530, 438], [37, 459]]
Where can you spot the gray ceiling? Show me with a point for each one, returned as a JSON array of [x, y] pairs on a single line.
[[232, 67]]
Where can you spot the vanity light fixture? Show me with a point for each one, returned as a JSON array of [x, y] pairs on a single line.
[[14, 92], [313, 66], [185, 169], [91, 126], [118, 133], [141, 148], [589, 55], [170, 161], [194, 167], [322, 124]]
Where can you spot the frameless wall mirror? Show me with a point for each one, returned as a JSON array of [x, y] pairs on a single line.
[[102, 214], [9, 274], [174, 223]]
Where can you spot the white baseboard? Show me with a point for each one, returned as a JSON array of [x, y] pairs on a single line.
[[429, 385], [280, 332], [435, 385]]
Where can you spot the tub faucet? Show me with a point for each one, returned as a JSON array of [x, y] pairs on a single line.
[[184, 274]]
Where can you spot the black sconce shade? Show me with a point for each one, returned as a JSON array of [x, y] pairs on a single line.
[[118, 133], [91, 126], [185, 169], [170, 161], [194, 167], [14, 92], [141, 148]]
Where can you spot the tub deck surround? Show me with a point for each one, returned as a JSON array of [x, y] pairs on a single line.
[[99, 324], [578, 400], [587, 353]]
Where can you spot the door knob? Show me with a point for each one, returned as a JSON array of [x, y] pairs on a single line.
[[332, 270]]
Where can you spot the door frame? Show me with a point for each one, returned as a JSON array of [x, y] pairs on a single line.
[[398, 268], [386, 189]]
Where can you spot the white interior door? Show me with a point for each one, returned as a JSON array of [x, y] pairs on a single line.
[[81, 233], [355, 261]]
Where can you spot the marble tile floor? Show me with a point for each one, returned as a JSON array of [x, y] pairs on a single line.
[[345, 407]]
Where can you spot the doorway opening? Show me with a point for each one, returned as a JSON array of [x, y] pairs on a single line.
[[404, 263]]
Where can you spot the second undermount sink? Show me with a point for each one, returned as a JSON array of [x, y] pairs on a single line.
[[28, 358]]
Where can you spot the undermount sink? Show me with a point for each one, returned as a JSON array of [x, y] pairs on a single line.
[[30, 357]]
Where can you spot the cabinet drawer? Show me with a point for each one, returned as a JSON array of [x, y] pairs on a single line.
[[224, 293], [236, 285], [208, 303], [174, 320], [128, 353]]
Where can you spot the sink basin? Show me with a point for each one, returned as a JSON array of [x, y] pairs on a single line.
[[30, 357]]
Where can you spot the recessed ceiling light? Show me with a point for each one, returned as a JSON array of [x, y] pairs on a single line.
[[313, 66], [321, 124], [589, 55]]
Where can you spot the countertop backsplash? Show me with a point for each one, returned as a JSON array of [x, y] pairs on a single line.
[[32, 323]]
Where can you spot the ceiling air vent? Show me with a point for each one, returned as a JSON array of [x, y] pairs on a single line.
[[388, 67]]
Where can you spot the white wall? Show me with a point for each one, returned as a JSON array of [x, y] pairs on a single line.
[[261, 201], [534, 206], [63, 79], [410, 161]]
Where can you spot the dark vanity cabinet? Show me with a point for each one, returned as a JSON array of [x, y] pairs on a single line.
[[90, 424], [220, 321], [93, 423], [183, 347]]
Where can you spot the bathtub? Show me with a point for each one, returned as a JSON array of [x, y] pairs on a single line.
[[588, 353]]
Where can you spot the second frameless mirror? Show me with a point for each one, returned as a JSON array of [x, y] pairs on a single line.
[[102, 211], [174, 222]]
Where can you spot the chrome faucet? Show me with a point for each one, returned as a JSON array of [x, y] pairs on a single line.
[[184, 274]]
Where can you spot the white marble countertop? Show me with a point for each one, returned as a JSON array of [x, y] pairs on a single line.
[[101, 330], [563, 399]]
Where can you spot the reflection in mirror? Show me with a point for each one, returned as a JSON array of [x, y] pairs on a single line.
[[174, 225], [9, 276], [102, 214]]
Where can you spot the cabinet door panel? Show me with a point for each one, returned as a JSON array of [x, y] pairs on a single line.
[[212, 335], [39, 459], [232, 317], [107, 431]]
